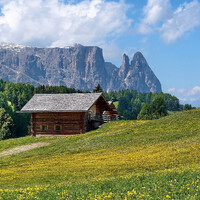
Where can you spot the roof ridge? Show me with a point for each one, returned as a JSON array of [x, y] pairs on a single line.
[[61, 102], [68, 93]]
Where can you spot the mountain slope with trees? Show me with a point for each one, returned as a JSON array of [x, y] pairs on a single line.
[[130, 102], [13, 96]]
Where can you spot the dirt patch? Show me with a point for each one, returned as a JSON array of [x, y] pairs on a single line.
[[23, 148]]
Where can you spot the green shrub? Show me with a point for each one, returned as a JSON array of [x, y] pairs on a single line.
[[155, 110], [6, 125]]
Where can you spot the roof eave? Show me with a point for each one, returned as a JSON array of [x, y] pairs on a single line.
[[101, 95]]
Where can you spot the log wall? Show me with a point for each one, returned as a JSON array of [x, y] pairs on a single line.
[[70, 123]]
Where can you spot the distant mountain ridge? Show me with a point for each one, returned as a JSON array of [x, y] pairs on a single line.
[[79, 67]]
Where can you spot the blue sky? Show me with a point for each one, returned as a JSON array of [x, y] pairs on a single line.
[[167, 32]]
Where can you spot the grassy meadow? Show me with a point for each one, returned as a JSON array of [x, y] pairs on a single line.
[[157, 159]]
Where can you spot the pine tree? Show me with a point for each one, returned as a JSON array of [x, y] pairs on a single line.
[[6, 125], [97, 89]]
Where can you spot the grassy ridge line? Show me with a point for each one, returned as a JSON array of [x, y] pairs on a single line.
[[175, 126]]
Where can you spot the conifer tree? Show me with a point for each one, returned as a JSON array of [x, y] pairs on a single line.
[[97, 89], [6, 125]]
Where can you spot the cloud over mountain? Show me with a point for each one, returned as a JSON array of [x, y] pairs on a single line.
[[154, 12], [185, 18], [191, 95], [89, 22], [170, 24], [55, 23]]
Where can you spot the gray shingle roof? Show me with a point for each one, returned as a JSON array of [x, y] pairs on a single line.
[[61, 102]]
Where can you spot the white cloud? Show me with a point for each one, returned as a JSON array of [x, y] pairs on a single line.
[[194, 91], [193, 99], [54, 23], [110, 50], [3, 2], [184, 19], [154, 12], [145, 29], [191, 96], [171, 90], [181, 91], [183, 99], [170, 24]]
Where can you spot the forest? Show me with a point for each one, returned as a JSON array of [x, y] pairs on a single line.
[[131, 105]]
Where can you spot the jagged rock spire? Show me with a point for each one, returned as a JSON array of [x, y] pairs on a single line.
[[125, 66], [79, 67]]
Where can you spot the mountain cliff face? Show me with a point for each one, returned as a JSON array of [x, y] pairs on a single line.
[[135, 75], [77, 67]]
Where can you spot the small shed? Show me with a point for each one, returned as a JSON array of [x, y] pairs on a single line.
[[68, 114]]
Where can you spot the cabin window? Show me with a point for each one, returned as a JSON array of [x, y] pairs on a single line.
[[44, 128], [57, 128]]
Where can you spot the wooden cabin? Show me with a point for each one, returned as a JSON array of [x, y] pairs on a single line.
[[68, 114]]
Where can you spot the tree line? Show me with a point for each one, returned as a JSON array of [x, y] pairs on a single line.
[[134, 105], [131, 104], [13, 96]]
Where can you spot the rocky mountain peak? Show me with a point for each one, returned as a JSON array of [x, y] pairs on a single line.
[[138, 56], [80, 67], [138, 60], [125, 66]]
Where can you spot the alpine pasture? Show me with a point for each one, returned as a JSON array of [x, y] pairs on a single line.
[[158, 159]]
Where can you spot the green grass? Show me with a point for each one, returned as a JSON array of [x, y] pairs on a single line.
[[157, 159], [116, 103]]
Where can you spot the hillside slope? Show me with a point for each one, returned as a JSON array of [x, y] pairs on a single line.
[[122, 156]]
